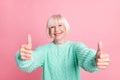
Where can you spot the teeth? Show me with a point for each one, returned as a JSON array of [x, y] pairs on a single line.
[[57, 33]]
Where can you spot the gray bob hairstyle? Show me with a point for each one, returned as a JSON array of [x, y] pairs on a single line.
[[57, 19]]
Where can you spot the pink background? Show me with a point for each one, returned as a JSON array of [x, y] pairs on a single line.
[[90, 21]]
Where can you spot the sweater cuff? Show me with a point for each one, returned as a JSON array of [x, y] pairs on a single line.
[[90, 62], [24, 64]]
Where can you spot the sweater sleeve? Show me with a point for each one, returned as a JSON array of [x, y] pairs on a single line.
[[86, 57], [36, 60]]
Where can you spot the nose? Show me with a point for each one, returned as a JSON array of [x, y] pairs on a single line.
[[56, 28]]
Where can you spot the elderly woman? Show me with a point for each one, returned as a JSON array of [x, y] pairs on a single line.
[[60, 59]]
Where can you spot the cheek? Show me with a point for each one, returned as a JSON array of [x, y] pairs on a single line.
[[64, 30], [51, 32]]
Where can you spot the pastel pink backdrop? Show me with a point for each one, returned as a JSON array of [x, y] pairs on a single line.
[[90, 21]]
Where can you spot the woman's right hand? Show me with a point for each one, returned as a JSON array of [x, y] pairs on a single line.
[[26, 49]]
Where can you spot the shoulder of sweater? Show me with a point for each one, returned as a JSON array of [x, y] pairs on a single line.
[[44, 46], [78, 44], [49, 45]]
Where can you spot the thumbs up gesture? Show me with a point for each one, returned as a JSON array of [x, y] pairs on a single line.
[[102, 59], [26, 49]]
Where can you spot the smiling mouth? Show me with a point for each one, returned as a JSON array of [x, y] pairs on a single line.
[[57, 34]]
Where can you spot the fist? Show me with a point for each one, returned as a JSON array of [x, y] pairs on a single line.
[[26, 49], [102, 59]]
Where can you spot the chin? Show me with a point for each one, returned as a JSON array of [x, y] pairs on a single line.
[[59, 38]]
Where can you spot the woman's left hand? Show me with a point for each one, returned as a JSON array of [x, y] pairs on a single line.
[[102, 59]]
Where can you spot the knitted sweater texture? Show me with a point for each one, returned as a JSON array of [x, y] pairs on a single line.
[[60, 62]]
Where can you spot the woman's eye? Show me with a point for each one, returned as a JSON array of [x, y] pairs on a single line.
[[60, 25], [52, 27]]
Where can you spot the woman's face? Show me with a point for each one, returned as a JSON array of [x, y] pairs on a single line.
[[57, 32]]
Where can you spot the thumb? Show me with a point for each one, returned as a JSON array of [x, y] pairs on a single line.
[[29, 42], [99, 49]]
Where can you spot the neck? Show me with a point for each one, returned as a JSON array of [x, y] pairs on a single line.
[[59, 41]]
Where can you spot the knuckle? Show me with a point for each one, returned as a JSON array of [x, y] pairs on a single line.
[[22, 57], [97, 64], [21, 49]]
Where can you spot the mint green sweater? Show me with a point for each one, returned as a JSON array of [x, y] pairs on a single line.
[[60, 62]]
